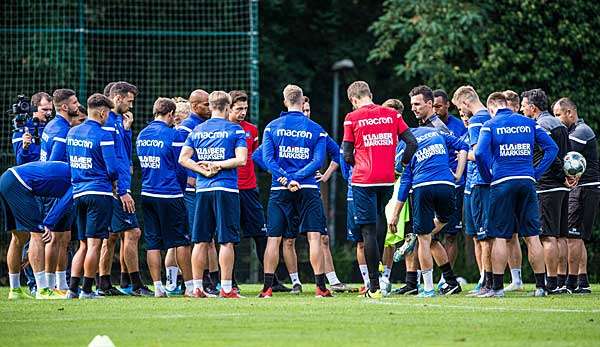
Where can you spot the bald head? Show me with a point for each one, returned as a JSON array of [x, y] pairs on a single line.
[[199, 103]]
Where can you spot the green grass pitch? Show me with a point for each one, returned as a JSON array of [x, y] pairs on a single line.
[[285, 320]]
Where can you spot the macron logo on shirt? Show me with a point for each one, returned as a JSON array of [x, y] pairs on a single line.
[[212, 135], [294, 133], [80, 143], [522, 129], [375, 121]]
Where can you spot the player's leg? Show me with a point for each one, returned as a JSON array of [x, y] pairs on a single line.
[[329, 268], [107, 253], [51, 253], [77, 270], [387, 258], [13, 260], [591, 196], [500, 228], [316, 261], [479, 210], [227, 217], [362, 266], [279, 212], [574, 237], [153, 238], [171, 269], [550, 250], [62, 262], [124, 278], [583, 285], [561, 272], [213, 267], [515, 258], [202, 235], [131, 239]]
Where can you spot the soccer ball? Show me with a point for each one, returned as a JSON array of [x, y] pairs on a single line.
[[574, 164]]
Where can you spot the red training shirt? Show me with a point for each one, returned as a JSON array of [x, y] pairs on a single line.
[[246, 174], [374, 131]]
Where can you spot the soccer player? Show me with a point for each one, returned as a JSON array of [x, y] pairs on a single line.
[[94, 170], [583, 199], [441, 104], [199, 113], [370, 137], [293, 150], [53, 148], [504, 157], [553, 187], [467, 101], [433, 185], [19, 188], [163, 183], [221, 147], [124, 223]]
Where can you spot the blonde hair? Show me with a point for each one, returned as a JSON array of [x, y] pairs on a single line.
[[395, 104], [465, 94], [182, 107], [359, 89], [219, 100], [293, 94]]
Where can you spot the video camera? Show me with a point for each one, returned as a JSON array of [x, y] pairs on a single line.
[[23, 120]]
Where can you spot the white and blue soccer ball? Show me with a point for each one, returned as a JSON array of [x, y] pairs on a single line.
[[574, 164]]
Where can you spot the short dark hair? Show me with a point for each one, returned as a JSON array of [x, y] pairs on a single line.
[[123, 88], [61, 95], [106, 91], [306, 99], [238, 95], [440, 93], [163, 106], [98, 100], [36, 99], [497, 98], [82, 109], [536, 97], [422, 90]]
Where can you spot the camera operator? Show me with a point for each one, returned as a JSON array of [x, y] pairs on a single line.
[[26, 141]]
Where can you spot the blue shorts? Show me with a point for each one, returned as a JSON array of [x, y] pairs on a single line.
[[513, 206], [65, 222], [190, 206], [480, 204], [252, 217], [20, 202], [468, 216], [429, 202], [217, 216], [94, 213], [285, 206], [455, 222], [165, 223], [353, 230], [370, 202], [121, 220]]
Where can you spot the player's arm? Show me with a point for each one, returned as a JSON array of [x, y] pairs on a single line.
[[257, 158], [455, 144], [269, 157], [473, 129], [483, 153], [348, 142], [180, 172], [408, 138], [403, 191], [185, 160], [59, 149], [315, 163], [332, 152], [550, 151], [59, 208], [241, 153], [344, 167]]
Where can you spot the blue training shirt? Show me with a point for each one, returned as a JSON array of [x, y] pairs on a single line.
[[458, 129], [158, 147], [48, 179], [475, 124], [184, 129], [26, 155], [216, 140], [294, 147], [54, 137], [430, 164], [120, 137], [94, 165], [505, 148]]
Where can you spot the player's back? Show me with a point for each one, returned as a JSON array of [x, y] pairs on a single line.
[[55, 131], [45, 178], [374, 131], [246, 175], [584, 140]]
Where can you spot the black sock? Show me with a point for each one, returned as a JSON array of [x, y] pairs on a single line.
[[136, 280], [488, 279], [206, 277], [105, 282], [448, 274], [125, 280], [498, 281], [551, 282], [214, 278], [561, 280], [320, 280], [572, 282], [74, 284], [583, 281], [411, 279], [268, 281], [540, 280], [372, 255], [87, 284]]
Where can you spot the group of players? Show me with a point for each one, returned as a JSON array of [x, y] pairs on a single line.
[[199, 190]]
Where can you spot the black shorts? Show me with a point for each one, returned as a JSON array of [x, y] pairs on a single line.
[[252, 218], [165, 223], [583, 207], [554, 210]]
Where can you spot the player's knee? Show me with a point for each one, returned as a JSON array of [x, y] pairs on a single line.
[[325, 240], [20, 239]]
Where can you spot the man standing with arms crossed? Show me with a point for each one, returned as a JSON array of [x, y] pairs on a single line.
[[370, 137]]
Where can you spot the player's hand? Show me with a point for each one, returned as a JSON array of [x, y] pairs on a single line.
[[571, 181], [392, 225], [127, 120], [456, 177], [283, 181], [27, 139], [191, 181], [293, 186], [128, 203], [47, 235], [318, 176]]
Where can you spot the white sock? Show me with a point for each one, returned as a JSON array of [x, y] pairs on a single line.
[[40, 280], [428, 279], [198, 284], [158, 286], [15, 280], [516, 276], [442, 280], [419, 272], [51, 278], [172, 272], [481, 277], [364, 272], [295, 278], [61, 280], [332, 278], [226, 285], [387, 271], [189, 286]]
